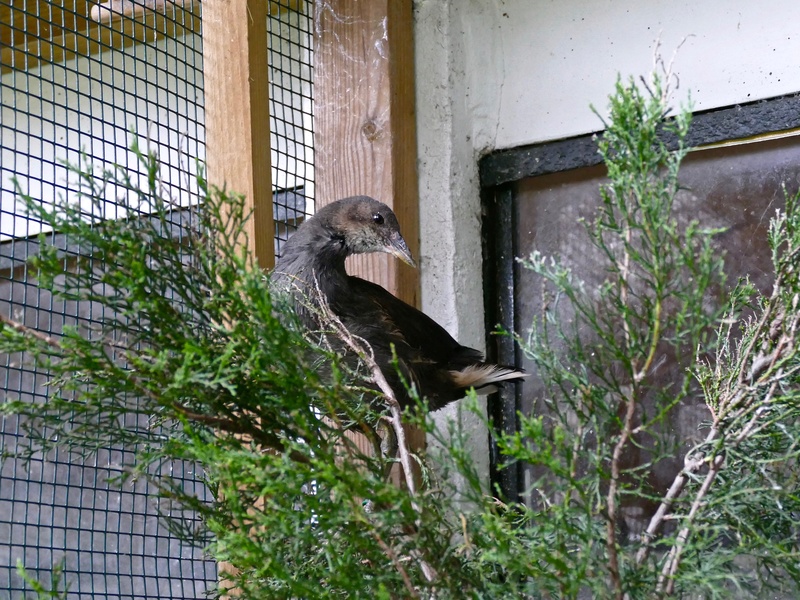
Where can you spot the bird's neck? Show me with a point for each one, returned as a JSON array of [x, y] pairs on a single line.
[[328, 271], [316, 258]]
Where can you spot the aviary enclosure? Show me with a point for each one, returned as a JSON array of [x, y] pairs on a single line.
[[295, 103], [280, 100]]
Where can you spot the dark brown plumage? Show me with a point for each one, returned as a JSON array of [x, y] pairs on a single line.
[[441, 368]]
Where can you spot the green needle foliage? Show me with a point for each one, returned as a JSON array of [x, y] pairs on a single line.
[[601, 353], [598, 350], [198, 363]]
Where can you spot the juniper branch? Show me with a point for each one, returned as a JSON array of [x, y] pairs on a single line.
[[364, 352]]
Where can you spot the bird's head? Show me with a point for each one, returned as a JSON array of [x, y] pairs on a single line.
[[361, 224]]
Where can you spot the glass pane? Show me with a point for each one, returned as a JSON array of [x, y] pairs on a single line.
[[736, 188]]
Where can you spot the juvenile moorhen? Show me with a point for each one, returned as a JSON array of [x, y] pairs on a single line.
[[428, 357]]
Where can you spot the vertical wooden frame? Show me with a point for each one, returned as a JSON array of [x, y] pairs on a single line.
[[364, 121], [236, 91], [236, 83], [365, 139]]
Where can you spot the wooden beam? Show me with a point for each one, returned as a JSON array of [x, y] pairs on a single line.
[[236, 92], [115, 9], [48, 32], [364, 121], [235, 73], [365, 130]]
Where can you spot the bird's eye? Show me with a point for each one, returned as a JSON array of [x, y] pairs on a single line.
[[378, 218]]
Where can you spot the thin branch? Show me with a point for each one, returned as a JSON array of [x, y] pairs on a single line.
[[691, 465], [25, 330], [264, 438], [397, 564], [221, 423], [630, 410], [666, 581], [611, 522], [746, 398], [363, 350]]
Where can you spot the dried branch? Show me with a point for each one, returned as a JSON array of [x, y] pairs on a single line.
[[630, 410], [738, 408], [691, 465], [673, 558], [611, 498], [364, 352], [28, 331], [630, 402]]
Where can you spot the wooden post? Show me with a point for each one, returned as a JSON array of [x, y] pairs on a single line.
[[236, 84], [235, 74], [364, 121], [365, 127]]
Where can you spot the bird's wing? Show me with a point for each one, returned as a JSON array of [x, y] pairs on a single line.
[[417, 329]]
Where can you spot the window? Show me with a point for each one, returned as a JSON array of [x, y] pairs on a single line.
[[536, 196]]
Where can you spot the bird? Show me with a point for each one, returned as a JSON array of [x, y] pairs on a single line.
[[402, 337]]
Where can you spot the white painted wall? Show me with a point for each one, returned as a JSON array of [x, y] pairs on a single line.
[[495, 74], [450, 213], [551, 60]]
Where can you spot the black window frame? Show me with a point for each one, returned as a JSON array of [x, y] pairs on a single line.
[[500, 172]]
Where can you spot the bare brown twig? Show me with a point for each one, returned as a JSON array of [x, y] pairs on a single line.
[[364, 352], [24, 329], [629, 400], [630, 410], [666, 580]]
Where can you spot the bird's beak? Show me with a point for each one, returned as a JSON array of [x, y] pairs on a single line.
[[397, 247]]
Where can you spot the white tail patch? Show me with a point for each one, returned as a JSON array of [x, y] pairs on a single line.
[[482, 377]]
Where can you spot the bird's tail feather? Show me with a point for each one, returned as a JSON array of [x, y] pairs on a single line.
[[483, 377]]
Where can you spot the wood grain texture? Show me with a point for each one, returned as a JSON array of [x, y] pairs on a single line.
[[365, 132], [121, 9], [115, 9], [235, 71], [236, 83]]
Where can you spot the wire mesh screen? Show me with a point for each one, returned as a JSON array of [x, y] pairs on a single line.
[[78, 78], [291, 103]]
